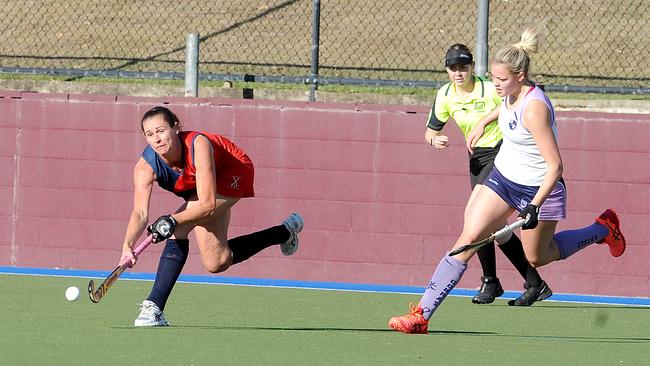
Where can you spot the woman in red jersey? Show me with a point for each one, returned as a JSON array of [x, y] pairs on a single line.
[[212, 174]]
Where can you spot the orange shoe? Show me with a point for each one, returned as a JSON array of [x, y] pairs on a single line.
[[614, 238], [413, 322]]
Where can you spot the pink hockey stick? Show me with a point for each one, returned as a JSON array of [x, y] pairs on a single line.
[[98, 293]]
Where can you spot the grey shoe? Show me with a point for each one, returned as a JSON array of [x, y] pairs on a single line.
[[294, 223], [150, 316]]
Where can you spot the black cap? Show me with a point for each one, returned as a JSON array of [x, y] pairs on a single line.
[[458, 56]]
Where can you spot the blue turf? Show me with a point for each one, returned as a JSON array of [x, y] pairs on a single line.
[[340, 286]]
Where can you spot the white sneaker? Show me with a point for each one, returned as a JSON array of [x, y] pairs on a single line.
[[150, 316], [294, 223]]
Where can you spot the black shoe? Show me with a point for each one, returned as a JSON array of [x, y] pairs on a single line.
[[490, 289], [531, 295]]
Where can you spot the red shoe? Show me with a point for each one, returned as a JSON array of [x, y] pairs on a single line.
[[614, 238], [413, 322]]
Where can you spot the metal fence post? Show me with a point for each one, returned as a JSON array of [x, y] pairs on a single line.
[[192, 65], [315, 41], [482, 20]]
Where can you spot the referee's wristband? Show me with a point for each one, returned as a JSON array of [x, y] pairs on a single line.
[[433, 142]]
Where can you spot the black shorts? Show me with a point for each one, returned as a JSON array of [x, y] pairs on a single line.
[[481, 163]]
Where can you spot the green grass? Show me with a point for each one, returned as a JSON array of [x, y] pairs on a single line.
[[234, 325], [425, 93]]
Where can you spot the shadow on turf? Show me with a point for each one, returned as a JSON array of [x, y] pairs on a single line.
[[434, 332], [306, 329], [589, 306], [608, 340], [622, 340]]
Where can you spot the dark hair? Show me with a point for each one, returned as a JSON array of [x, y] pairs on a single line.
[[168, 115], [458, 54]]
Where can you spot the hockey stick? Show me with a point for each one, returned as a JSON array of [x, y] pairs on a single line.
[[496, 235], [98, 293]]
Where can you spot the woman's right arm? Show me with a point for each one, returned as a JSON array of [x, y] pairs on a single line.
[[438, 118], [143, 178], [479, 129], [436, 139]]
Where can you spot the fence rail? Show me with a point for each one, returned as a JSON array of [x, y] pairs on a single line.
[[592, 46]]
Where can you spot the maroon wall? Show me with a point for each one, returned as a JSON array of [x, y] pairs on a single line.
[[380, 205]]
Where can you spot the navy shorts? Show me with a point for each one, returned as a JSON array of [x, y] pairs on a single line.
[[518, 196]]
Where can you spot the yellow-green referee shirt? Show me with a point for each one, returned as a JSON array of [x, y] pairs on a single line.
[[468, 112]]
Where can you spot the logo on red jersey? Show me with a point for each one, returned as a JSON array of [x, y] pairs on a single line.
[[235, 182]]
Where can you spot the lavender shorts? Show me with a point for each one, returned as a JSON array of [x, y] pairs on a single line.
[[518, 196]]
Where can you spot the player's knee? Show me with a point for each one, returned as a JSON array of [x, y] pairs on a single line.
[[219, 263], [535, 261], [217, 267]]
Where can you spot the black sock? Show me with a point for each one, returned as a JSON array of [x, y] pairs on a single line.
[[488, 260], [246, 246], [170, 266], [514, 251]]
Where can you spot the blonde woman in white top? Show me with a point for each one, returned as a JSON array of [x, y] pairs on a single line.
[[526, 178]]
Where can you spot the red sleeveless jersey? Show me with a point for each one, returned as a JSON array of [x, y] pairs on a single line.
[[234, 169]]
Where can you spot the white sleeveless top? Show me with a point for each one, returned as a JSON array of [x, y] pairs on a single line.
[[519, 159]]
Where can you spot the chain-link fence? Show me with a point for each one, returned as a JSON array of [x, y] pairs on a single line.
[[587, 43]]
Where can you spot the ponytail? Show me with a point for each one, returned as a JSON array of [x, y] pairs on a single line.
[[517, 56]]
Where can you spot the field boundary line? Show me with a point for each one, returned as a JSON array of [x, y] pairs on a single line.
[[317, 285]]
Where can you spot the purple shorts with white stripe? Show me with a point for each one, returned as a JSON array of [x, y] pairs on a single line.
[[518, 196]]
